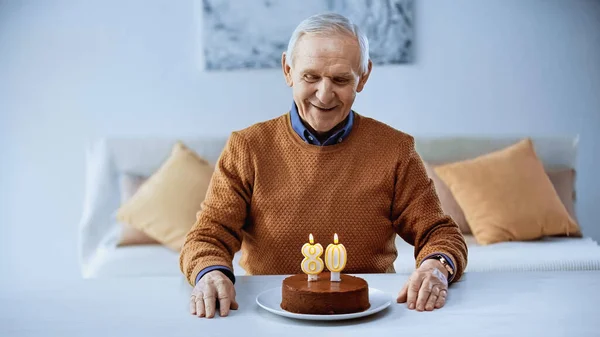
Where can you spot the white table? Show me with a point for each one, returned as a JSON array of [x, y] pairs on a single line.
[[515, 304]]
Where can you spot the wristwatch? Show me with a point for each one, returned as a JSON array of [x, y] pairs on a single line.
[[447, 265]]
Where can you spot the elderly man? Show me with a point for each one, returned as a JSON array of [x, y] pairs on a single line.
[[321, 168]]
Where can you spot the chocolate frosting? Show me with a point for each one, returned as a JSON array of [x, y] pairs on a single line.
[[349, 295]]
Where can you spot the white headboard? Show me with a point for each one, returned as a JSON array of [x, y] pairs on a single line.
[[552, 151]]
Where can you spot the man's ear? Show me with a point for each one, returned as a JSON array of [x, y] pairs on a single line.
[[363, 79], [287, 71]]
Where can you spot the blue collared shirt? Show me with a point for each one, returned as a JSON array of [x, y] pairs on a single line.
[[308, 137]]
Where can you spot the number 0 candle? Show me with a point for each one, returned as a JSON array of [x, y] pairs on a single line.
[[335, 258], [312, 263]]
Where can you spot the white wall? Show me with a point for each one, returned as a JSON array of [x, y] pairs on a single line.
[[76, 70]]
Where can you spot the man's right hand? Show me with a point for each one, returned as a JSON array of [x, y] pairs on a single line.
[[212, 289]]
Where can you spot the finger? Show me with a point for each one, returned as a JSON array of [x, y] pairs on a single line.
[[234, 303], [424, 294], [402, 295], [430, 305], [224, 304], [441, 300], [193, 305], [200, 310], [210, 306], [210, 302], [413, 290], [224, 297]]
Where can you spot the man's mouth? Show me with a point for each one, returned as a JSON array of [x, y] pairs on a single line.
[[325, 109]]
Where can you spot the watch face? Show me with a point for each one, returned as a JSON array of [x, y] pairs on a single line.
[[446, 265]]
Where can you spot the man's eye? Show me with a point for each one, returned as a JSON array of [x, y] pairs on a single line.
[[310, 78], [341, 80]]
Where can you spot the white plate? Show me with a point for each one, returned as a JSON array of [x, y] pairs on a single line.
[[270, 300]]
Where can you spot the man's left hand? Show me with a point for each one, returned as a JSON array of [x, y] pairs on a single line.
[[426, 288]]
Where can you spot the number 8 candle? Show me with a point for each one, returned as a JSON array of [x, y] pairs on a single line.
[[312, 263], [335, 258]]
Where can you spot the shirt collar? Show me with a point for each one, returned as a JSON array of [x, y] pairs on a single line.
[[308, 137]]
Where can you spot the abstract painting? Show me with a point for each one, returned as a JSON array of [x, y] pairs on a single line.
[[252, 34]]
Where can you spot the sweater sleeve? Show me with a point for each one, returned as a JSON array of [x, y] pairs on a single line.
[[417, 213], [217, 233]]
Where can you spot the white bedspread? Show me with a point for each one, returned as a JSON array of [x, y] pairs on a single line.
[[549, 254], [481, 304]]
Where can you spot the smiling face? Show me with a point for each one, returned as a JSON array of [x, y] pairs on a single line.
[[325, 77]]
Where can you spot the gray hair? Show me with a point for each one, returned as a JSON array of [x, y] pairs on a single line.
[[330, 23]]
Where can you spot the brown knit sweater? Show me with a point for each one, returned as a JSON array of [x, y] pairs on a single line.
[[270, 190]]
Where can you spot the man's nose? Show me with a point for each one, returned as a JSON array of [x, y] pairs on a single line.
[[325, 92]]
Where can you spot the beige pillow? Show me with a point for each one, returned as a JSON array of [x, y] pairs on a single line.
[[165, 206], [507, 196], [563, 180], [131, 236]]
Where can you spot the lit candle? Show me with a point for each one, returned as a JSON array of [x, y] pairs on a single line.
[[335, 258], [312, 263]]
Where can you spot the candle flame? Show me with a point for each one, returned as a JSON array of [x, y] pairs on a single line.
[[311, 239], [335, 238]]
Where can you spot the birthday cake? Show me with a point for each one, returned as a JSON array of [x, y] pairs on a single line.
[[323, 297], [319, 293]]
